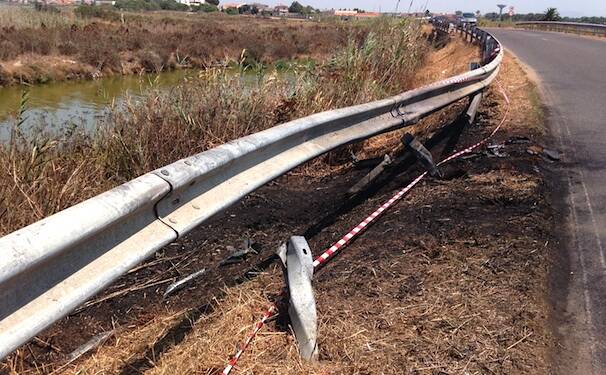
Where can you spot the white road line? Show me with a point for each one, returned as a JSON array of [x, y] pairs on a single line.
[[575, 239], [589, 207], [581, 256]]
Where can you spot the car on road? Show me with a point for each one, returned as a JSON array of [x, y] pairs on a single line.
[[467, 18]]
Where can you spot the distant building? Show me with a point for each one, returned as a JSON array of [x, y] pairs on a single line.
[[345, 13], [104, 2], [281, 9], [260, 7], [60, 2], [192, 2], [348, 14], [230, 6]]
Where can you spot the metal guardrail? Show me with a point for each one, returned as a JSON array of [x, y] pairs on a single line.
[[49, 268], [567, 27]]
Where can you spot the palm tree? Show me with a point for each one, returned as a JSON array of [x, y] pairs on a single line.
[[552, 14]]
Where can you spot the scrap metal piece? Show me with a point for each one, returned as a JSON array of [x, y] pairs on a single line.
[[237, 256], [180, 284], [422, 154], [94, 342], [371, 176], [298, 272]]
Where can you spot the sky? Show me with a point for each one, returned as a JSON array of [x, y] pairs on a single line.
[[566, 7]]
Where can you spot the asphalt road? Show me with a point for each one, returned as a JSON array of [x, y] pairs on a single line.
[[572, 74]]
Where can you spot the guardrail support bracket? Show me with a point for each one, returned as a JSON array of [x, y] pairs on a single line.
[[422, 154], [298, 271]]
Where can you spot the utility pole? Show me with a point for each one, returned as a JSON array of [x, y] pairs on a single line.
[[501, 7]]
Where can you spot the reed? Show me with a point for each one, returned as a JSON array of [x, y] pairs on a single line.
[[44, 174]]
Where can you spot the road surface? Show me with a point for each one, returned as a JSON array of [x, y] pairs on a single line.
[[572, 75]]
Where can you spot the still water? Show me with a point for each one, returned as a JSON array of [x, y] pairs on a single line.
[[60, 105]]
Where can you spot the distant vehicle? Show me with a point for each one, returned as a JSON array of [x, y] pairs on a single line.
[[467, 18]]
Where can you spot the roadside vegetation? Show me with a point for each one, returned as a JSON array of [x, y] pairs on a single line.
[[90, 42], [550, 14], [45, 174]]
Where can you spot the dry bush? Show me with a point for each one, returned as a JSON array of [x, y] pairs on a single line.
[[202, 40], [50, 174]]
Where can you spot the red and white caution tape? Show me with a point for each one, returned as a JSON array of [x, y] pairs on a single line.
[[249, 338], [358, 229]]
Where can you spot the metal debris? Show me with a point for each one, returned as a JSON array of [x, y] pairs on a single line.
[[89, 345], [497, 151], [238, 256], [180, 284], [422, 154], [517, 140], [552, 154]]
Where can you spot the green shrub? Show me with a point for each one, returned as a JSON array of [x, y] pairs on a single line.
[[172, 5], [90, 11], [135, 5], [208, 8], [40, 7]]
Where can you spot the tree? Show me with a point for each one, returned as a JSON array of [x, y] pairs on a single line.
[[552, 14], [213, 2], [296, 7], [207, 8], [245, 8]]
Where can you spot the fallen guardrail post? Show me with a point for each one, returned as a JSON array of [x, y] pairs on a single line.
[[298, 269], [422, 154], [371, 176]]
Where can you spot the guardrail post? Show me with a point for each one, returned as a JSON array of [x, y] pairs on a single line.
[[298, 271], [422, 154]]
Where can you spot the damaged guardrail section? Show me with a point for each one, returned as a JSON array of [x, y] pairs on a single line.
[[50, 267]]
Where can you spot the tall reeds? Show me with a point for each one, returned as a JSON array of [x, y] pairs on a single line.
[[42, 175]]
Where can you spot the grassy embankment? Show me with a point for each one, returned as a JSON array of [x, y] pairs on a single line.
[[38, 47], [46, 175]]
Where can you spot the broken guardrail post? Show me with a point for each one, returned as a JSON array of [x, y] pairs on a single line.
[[422, 154], [298, 272], [371, 176]]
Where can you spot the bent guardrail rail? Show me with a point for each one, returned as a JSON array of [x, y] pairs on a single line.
[[49, 268], [567, 27]]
